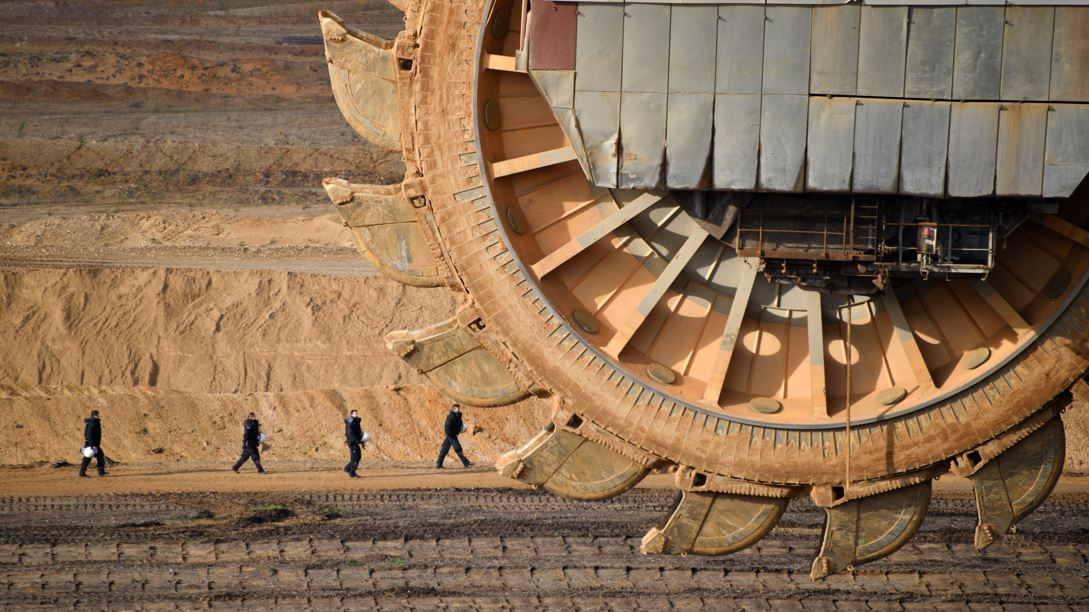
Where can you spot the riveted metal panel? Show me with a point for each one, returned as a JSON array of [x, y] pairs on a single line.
[[923, 148], [1070, 55], [1026, 52], [642, 138], [598, 114], [558, 86], [977, 68], [830, 144], [882, 43], [973, 136], [877, 146], [833, 66], [930, 53], [646, 48], [598, 47], [740, 63], [688, 140], [782, 142], [1020, 165], [737, 141], [786, 49], [693, 30], [1066, 158]]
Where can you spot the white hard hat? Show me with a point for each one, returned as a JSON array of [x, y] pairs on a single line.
[[88, 451], [464, 428], [261, 437], [366, 436]]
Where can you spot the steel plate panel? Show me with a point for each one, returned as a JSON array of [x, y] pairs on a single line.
[[1026, 52], [877, 146], [1070, 55], [882, 43], [646, 48], [786, 49], [1020, 165], [598, 114], [830, 144], [973, 136], [642, 139], [833, 67], [923, 148], [740, 63], [688, 140], [977, 68], [693, 30], [598, 47], [930, 53], [558, 86], [1066, 158], [782, 142], [737, 141]]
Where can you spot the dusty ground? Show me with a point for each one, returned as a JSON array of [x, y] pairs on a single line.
[[491, 548]]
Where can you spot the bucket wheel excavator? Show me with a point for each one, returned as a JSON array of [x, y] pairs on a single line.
[[775, 249]]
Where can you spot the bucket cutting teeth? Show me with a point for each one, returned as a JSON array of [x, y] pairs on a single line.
[[389, 232], [861, 530], [716, 515], [363, 74], [574, 458], [1010, 483], [455, 357]]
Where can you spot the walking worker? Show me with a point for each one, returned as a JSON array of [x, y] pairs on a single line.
[[251, 440], [92, 445], [353, 437], [453, 427]]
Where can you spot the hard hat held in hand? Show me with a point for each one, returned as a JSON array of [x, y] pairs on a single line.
[[366, 437], [261, 437], [88, 451]]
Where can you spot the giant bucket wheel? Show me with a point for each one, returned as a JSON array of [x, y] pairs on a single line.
[[664, 344]]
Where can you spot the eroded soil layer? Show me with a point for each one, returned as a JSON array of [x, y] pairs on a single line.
[[497, 548]]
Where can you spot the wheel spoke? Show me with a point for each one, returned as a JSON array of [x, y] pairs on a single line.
[[746, 280], [905, 339], [533, 161]]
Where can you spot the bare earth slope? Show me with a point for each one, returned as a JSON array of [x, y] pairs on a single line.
[[167, 254]]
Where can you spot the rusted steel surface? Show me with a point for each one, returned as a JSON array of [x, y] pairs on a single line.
[[865, 56], [553, 22]]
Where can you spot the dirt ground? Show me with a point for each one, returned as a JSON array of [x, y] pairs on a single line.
[[456, 540]]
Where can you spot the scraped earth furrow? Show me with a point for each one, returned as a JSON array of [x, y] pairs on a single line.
[[426, 549]]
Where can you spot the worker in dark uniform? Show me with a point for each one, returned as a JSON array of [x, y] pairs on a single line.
[[92, 437], [251, 439], [453, 428], [353, 437]]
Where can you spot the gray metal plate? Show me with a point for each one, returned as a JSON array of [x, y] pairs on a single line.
[[598, 51], [930, 53], [737, 141], [693, 31], [782, 142], [646, 48], [1066, 158], [830, 144], [688, 140], [786, 50], [923, 148], [642, 135], [882, 45], [1020, 165], [977, 68], [973, 137], [877, 146], [833, 66], [1026, 53], [740, 49], [598, 114], [1070, 55]]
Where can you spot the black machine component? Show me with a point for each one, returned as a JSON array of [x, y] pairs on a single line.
[[856, 243]]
